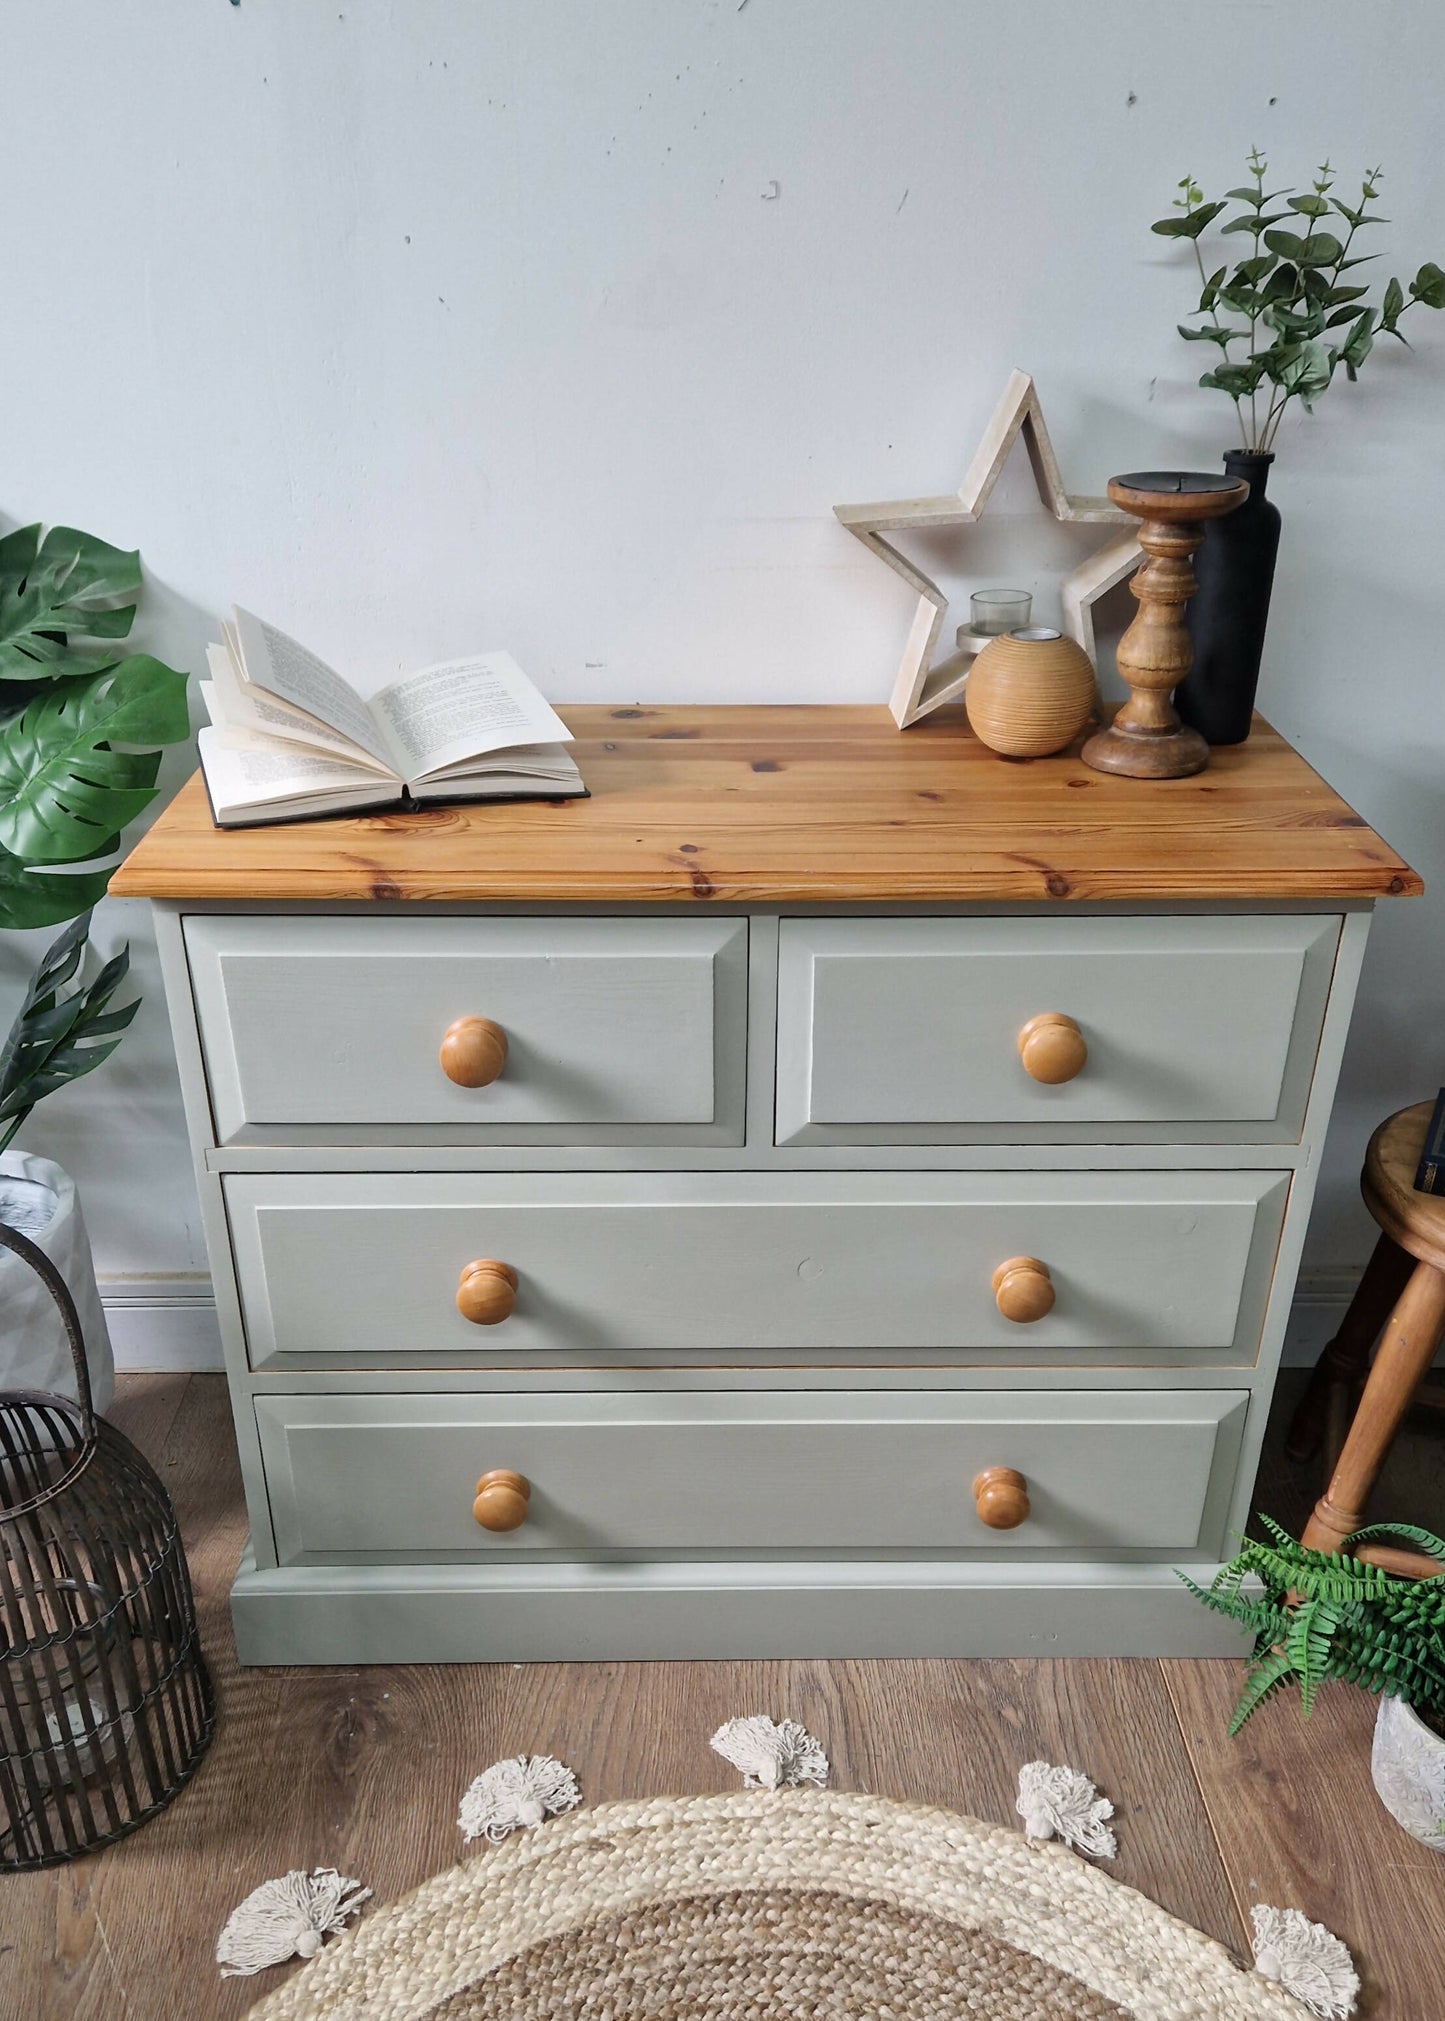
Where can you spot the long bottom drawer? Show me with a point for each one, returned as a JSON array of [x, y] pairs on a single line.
[[373, 1477]]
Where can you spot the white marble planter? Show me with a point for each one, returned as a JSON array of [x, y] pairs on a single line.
[[1408, 1764], [39, 1198]]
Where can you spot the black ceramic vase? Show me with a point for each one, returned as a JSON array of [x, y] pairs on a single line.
[[1228, 613]]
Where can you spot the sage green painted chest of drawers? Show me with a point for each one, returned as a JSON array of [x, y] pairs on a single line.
[[794, 1250]]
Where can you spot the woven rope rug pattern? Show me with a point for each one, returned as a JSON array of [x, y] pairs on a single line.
[[773, 1906]]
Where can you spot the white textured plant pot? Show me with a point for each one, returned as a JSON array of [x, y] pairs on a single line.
[[1408, 1764], [39, 1199]]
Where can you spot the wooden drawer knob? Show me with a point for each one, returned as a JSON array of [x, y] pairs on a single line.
[[1001, 1497], [473, 1052], [487, 1292], [1052, 1048], [1023, 1289], [502, 1499]]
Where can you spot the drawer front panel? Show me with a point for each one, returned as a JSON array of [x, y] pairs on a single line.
[[375, 1476], [906, 1031], [337, 1269], [329, 1029]]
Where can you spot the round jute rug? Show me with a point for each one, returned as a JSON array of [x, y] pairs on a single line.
[[773, 1906]]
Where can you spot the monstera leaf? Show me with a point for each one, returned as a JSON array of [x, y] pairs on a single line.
[[30, 898], [54, 592], [57, 1038], [66, 791]]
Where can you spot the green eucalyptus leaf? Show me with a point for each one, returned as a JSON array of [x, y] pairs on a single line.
[[30, 898], [65, 790], [1283, 351], [1293, 322], [1242, 300], [1190, 225], [1428, 286], [1256, 224], [57, 592], [1356, 347], [1308, 372], [1236, 380]]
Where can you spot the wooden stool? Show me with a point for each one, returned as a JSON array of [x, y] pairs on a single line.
[[1401, 1297]]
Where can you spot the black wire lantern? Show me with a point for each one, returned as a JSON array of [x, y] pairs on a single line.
[[106, 1704]]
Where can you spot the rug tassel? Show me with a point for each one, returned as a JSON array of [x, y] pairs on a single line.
[[771, 1753], [1307, 1961], [286, 1919], [516, 1794], [1061, 1803]]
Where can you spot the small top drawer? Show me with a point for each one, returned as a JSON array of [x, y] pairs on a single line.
[[321, 1028], [895, 1031]]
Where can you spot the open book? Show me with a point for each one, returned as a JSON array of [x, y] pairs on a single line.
[[289, 738]]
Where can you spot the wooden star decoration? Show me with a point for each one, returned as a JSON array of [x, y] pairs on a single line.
[[922, 686]]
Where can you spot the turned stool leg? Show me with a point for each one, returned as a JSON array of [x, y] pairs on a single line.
[[1412, 1334], [1326, 1407]]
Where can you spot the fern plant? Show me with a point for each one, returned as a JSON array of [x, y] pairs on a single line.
[[1315, 1614]]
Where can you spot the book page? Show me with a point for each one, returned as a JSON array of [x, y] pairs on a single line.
[[461, 709], [271, 660], [538, 761], [241, 778], [247, 711]]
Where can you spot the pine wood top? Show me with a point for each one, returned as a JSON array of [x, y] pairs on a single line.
[[797, 805]]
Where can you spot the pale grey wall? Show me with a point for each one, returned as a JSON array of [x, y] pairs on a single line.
[[433, 325]]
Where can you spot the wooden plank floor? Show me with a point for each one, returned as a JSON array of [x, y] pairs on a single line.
[[362, 1769]]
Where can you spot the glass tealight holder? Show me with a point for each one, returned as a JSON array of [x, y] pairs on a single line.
[[992, 611]]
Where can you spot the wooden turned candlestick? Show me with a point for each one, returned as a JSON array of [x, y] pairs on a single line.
[[1146, 739]]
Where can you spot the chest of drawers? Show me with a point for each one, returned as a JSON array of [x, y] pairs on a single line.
[[830, 1193]]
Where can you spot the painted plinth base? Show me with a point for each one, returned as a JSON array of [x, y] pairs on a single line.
[[571, 1612]]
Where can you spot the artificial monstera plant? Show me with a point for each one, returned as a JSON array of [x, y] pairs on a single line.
[[82, 725]]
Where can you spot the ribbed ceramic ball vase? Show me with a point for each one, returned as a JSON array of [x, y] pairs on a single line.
[[1029, 693]]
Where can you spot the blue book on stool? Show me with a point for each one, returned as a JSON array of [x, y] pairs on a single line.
[[1431, 1176]]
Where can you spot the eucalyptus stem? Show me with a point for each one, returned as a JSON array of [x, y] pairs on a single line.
[[1253, 442], [1203, 286]]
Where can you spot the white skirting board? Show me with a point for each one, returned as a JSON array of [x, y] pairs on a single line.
[[162, 1322], [170, 1322]]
